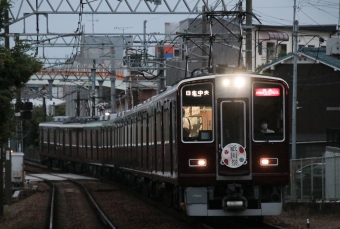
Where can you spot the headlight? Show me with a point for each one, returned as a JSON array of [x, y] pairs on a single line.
[[234, 82], [269, 161], [239, 82], [197, 162], [226, 82]]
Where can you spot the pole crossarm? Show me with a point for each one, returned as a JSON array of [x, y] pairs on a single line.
[[67, 40], [79, 42], [109, 7]]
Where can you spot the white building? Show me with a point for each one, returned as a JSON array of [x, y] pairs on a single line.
[[270, 42]]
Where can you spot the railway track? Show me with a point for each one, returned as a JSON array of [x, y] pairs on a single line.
[[108, 197], [72, 206], [238, 222]]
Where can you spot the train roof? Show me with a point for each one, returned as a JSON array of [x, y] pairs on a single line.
[[75, 122], [107, 120]]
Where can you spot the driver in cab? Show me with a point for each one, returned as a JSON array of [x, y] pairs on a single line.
[[264, 126]]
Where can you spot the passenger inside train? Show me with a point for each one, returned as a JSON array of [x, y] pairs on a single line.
[[264, 126], [186, 124]]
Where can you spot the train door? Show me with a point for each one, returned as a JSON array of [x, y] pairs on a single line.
[[167, 137], [139, 139], [63, 138], [97, 143], [55, 140], [159, 141], [105, 148], [145, 141], [41, 140], [234, 155], [151, 140], [81, 148]]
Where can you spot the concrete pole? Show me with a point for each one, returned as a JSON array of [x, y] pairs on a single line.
[[113, 81], [295, 46], [8, 178], [161, 85], [249, 22], [1, 181], [204, 40], [8, 165], [100, 89], [144, 43], [93, 98], [294, 99], [50, 85], [44, 108], [93, 77], [93, 90]]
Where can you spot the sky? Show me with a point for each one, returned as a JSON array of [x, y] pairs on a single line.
[[274, 12]]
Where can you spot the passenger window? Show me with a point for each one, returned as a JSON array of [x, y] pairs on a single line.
[[197, 115]]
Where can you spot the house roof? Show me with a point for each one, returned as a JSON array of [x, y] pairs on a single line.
[[331, 28], [316, 54]]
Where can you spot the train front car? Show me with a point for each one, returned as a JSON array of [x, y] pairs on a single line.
[[233, 148]]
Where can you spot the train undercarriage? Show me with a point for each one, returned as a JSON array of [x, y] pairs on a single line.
[[232, 199]]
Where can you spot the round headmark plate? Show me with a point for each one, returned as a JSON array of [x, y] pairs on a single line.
[[233, 155]]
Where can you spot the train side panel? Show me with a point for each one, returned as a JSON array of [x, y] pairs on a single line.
[[198, 145]]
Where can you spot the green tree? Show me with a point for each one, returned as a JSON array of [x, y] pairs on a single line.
[[60, 110], [31, 127], [16, 67]]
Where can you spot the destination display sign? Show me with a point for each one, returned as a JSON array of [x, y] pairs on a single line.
[[267, 92], [197, 94]]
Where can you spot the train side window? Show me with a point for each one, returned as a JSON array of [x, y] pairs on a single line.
[[268, 111], [197, 112]]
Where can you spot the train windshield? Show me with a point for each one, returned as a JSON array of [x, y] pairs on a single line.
[[233, 123], [197, 116], [268, 112]]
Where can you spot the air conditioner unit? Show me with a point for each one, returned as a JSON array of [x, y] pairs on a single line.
[[333, 46]]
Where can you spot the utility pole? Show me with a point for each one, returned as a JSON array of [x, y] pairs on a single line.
[[93, 90], [50, 86], [204, 47], [240, 9], [249, 22], [44, 108], [78, 103], [113, 81], [294, 97], [161, 66], [144, 43], [2, 159], [295, 45], [8, 177], [8, 163]]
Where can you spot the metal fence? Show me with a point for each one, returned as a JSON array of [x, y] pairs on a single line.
[[315, 179]]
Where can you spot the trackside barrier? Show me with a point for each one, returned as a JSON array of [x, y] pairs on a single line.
[[315, 179]]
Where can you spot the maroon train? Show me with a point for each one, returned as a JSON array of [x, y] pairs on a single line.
[[214, 145]]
